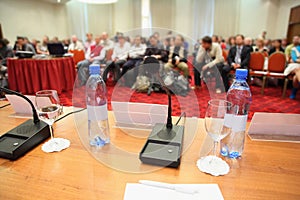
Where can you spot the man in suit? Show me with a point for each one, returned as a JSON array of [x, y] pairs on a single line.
[[238, 57]]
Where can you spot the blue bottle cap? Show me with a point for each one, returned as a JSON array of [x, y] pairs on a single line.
[[241, 73], [94, 69]]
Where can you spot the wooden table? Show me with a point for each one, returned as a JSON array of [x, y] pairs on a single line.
[[268, 170]]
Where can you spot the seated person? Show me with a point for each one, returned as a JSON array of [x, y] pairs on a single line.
[[43, 48], [135, 55], [96, 55], [288, 49], [294, 69], [248, 43], [118, 58], [106, 42], [210, 56], [5, 52], [75, 44], [178, 56], [155, 50], [22, 45], [276, 47], [260, 47], [238, 57]]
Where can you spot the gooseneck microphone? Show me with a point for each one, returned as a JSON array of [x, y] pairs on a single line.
[[24, 137], [35, 115], [164, 144]]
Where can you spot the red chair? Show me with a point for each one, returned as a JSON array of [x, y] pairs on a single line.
[[78, 55], [276, 66], [256, 67]]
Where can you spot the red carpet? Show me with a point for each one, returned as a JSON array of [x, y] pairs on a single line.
[[195, 103]]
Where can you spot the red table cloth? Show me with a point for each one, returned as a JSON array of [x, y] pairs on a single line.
[[31, 75]]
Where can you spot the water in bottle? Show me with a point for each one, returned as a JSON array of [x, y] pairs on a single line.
[[239, 95], [96, 101]]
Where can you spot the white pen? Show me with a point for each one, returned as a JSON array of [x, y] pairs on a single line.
[[169, 186]]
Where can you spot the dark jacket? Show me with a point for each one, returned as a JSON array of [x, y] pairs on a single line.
[[273, 50], [245, 56], [5, 52], [157, 51]]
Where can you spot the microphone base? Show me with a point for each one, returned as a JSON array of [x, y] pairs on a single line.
[[18, 141], [163, 146]]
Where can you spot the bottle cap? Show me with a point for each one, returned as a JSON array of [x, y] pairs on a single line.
[[241, 73], [94, 69]]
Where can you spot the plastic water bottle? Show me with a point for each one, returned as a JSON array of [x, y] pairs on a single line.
[[239, 95], [96, 101]]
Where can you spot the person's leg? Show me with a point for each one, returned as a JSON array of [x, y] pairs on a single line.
[[224, 73], [219, 77], [117, 70], [127, 66], [83, 71], [168, 66], [184, 68]]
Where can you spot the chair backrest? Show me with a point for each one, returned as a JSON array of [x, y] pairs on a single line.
[[78, 55], [225, 54], [277, 62], [108, 54], [257, 61]]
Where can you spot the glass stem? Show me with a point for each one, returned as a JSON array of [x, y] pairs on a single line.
[[215, 148], [51, 132]]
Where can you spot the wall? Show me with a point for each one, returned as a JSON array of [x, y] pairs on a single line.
[[32, 18], [251, 17], [283, 16]]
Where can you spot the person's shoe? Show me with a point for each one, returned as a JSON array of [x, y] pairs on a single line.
[[293, 94]]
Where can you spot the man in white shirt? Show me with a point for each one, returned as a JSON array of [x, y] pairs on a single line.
[[210, 57], [106, 42], [96, 55], [88, 43], [136, 54], [118, 58], [75, 44]]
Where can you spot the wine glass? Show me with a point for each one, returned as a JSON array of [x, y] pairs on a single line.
[[48, 108], [218, 120]]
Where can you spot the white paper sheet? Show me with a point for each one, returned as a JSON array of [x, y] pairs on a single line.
[[135, 191]]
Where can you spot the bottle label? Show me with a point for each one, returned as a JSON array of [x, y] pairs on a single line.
[[97, 113], [239, 123]]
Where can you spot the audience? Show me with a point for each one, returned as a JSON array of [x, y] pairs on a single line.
[[88, 42], [106, 42], [75, 44], [178, 56], [288, 49], [260, 47], [238, 57], [294, 69], [276, 47], [5, 52], [96, 55], [55, 40], [119, 56], [23, 45], [129, 52], [135, 55], [248, 43], [155, 50], [209, 56], [43, 48], [263, 35], [230, 43]]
